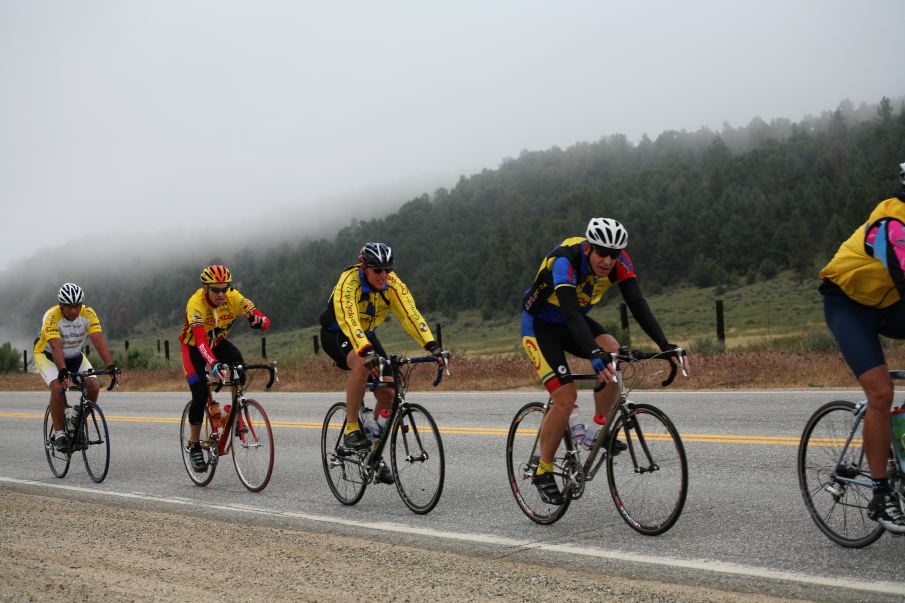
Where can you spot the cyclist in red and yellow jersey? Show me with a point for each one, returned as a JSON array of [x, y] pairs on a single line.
[[863, 290], [571, 279], [361, 300], [209, 315]]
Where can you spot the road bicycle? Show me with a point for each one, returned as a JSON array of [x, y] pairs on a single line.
[[86, 431], [415, 447], [834, 477], [245, 432], [648, 479]]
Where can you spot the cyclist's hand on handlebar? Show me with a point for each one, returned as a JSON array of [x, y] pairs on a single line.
[[220, 371], [438, 353], [64, 378], [117, 374], [678, 356], [603, 364], [259, 321], [373, 363]]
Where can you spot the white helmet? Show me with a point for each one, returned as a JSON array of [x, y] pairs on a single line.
[[606, 232], [71, 294]]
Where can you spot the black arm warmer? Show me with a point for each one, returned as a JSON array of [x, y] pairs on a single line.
[[575, 322], [631, 293]]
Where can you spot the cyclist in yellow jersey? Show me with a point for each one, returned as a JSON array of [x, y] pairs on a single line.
[[58, 351], [209, 316], [863, 287], [361, 300]]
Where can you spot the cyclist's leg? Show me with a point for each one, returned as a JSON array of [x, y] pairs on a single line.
[[545, 345], [604, 399], [49, 372], [196, 375], [856, 329], [384, 395], [338, 347]]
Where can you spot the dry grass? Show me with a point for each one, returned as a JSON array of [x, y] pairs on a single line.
[[730, 370]]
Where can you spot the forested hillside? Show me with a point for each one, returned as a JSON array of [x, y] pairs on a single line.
[[701, 208]]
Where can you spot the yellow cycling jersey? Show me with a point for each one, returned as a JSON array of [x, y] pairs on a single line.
[[71, 333], [357, 308], [217, 321], [861, 276]]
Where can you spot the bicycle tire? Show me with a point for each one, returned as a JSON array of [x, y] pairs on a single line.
[[416, 455], [841, 514], [649, 480], [208, 446], [252, 446], [342, 467], [58, 461], [95, 442], [522, 456]]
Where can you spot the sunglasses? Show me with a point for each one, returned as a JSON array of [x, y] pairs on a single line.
[[606, 252], [218, 289], [380, 270]]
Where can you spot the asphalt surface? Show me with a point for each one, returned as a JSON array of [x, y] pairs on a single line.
[[744, 526]]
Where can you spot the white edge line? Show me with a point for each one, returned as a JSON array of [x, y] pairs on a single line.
[[694, 564]]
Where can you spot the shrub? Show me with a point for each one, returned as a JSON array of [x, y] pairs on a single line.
[[10, 358]]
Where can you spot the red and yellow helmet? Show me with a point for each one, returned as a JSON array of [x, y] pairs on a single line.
[[217, 273]]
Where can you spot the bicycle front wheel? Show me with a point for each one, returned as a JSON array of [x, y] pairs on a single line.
[[522, 457], [252, 446], [342, 467], [649, 480], [58, 461], [839, 508], [417, 458], [208, 446], [94, 440]]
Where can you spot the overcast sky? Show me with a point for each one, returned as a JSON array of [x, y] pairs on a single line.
[[132, 116]]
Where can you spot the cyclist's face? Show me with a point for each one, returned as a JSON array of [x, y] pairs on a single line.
[[217, 293], [602, 263], [71, 312], [377, 277]]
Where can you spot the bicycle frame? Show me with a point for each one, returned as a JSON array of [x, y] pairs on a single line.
[[862, 478], [80, 382], [237, 371]]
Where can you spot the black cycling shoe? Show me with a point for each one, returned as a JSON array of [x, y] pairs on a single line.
[[384, 475], [196, 455], [61, 443], [548, 490], [356, 440], [619, 446], [884, 509]]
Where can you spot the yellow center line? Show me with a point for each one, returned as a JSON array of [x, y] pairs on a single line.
[[715, 438]]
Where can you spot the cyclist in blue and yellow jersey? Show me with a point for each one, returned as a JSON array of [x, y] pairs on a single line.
[[209, 315], [863, 287], [572, 278], [361, 300], [58, 352]]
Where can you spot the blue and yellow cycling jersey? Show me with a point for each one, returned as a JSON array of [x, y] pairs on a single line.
[[216, 320], [357, 309], [71, 333], [567, 266]]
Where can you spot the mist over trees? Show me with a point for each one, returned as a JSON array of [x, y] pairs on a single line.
[[701, 208]]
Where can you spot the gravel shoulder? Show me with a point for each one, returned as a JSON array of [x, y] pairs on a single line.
[[61, 549]]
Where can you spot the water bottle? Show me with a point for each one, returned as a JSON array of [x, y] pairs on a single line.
[[897, 420], [576, 427], [382, 420], [70, 419], [369, 424], [216, 417], [591, 434]]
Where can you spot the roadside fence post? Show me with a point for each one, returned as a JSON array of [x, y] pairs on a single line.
[[720, 325], [264, 347], [24, 361], [166, 349], [623, 319], [317, 347]]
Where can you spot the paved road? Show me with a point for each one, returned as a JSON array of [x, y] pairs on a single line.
[[744, 525]]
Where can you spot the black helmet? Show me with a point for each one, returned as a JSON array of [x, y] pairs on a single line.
[[377, 255]]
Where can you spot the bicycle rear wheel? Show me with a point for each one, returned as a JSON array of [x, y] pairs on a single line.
[[342, 467], [252, 446], [208, 446], [58, 461], [94, 440], [522, 456], [839, 509], [649, 480], [417, 458]]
